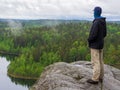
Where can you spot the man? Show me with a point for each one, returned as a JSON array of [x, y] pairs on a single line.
[[96, 43]]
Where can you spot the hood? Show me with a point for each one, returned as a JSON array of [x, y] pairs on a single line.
[[97, 12]]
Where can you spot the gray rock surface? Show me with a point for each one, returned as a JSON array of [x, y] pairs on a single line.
[[73, 76]]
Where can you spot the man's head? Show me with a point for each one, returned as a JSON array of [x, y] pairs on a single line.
[[97, 12]]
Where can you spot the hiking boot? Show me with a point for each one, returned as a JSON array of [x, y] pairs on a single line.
[[92, 81]]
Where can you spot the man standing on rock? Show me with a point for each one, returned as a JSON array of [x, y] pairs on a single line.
[[96, 43]]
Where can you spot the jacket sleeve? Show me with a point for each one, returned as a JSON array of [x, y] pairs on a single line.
[[105, 30], [93, 32]]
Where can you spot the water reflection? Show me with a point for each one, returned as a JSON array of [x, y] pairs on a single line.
[[23, 82], [9, 83]]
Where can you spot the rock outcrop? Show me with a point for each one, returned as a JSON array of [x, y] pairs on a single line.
[[73, 76]]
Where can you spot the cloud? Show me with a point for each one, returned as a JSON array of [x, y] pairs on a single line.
[[110, 7], [36, 9]]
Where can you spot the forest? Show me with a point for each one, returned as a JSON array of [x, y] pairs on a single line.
[[35, 44]]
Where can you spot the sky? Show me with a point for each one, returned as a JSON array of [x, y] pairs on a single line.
[[58, 9]]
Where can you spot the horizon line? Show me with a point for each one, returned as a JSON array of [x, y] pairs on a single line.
[[81, 19]]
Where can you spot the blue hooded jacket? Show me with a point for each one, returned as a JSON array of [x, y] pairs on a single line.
[[98, 30]]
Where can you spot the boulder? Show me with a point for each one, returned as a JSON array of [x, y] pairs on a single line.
[[73, 76]]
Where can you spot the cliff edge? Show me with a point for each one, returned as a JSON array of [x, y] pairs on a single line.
[[73, 76]]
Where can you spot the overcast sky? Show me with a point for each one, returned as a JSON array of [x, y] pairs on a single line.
[[69, 9]]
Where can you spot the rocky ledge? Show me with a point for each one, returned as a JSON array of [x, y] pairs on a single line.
[[73, 76]]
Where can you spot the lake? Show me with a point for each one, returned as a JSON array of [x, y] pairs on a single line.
[[9, 83]]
